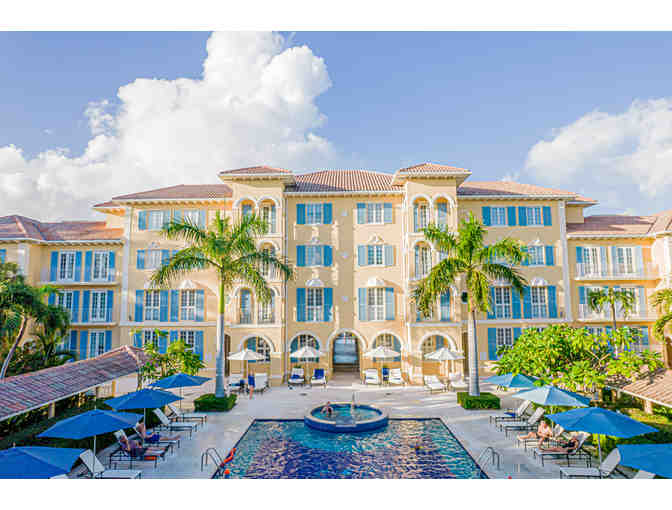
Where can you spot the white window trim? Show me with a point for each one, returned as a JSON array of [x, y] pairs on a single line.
[[103, 311], [374, 249], [543, 293], [104, 268], [186, 333], [317, 214], [100, 337], [492, 217], [507, 334], [530, 215], [375, 292], [505, 307], [542, 261], [70, 254], [316, 309], [153, 307], [149, 215], [375, 207]]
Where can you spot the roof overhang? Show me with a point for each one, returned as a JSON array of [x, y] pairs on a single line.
[[399, 178], [18, 240], [512, 197], [153, 201], [343, 193], [277, 176], [609, 236]]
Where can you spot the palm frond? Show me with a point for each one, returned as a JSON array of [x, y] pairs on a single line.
[[506, 274]]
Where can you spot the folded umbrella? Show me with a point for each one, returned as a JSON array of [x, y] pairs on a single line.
[[37, 461]]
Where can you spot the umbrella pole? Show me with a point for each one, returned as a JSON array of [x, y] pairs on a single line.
[[599, 450], [93, 475]]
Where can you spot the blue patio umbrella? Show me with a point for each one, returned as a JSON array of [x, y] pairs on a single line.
[[179, 381], [37, 461], [654, 458], [512, 381], [143, 399], [551, 396], [601, 421]]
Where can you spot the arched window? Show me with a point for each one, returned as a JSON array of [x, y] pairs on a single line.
[[390, 341], [431, 344], [268, 214], [267, 270], [246, 208], [267, 310], [423, 260], [302, 341], [260, 346], [420, 214], [245, 307], [442, 212]]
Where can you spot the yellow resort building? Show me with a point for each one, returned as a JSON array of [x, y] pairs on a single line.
[[355, 239]]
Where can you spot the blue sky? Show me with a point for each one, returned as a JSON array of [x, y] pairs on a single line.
[[477, 100]]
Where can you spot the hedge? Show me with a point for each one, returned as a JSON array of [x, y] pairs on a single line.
[[483, 401], [209, 402]]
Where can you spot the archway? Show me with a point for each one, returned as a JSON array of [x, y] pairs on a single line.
[[345, 353]]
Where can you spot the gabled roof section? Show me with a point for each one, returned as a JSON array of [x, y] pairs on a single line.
[[613, 224], [656, 386], [343, 181], [180, 191], [256, 170], [20, 227], [430, 170], [514, 190]]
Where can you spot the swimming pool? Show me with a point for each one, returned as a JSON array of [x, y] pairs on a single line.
[[289, 449]]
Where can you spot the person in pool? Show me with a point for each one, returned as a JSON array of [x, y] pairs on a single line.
[[327, 409]]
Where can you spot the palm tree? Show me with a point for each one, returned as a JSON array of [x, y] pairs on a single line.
[[598, 299], [469, 260], [662, 300], [229, 250]]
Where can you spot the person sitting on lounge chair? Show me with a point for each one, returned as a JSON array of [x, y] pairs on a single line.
[[134, 449], [154, 438], [250, 383], [544, 431], [567, 447], [327, 409]]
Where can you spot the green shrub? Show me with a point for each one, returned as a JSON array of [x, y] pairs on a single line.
[[209, 402], [483, 401]]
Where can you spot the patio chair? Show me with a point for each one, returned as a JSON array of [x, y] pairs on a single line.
[[433, 384], [396, 377], [457, 382], [167, 424], [371, 376], [260, 381], [171, 442], [530, 424], [556, 437], [511, 415], [182, 416], [577, 453], [641, 475], [604, 471], [296, 378], [123, 453], [236, 382], [318, 377], [97, 469]]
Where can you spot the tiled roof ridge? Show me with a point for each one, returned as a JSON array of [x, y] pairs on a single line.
[[266, 167], [325, 170], [430, 163]]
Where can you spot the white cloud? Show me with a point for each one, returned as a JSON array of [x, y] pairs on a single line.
[[623, 160], [255, 104]]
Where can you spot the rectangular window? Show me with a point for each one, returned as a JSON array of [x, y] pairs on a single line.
[[502, 302], [539, 305], [498, 216], [97, 340], [534, 216], [314, 214], [191, 215], [154, 220], [98, 306], [266, 269], [245, 307], [625, 260], [314, 305], [189, 338], [591, 261], [423, 217], [536, 255], [376, 304], [152, 259], [422, 261], [66, 265], [152, 305], [101, 264], [268, 214], [375, 254], [597, 331], [374, 213], [188, 305], [266, 315], [150, 336], [314, 255], [65, 301], [504, 337]]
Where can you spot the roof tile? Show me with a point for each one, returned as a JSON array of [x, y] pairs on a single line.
[[20, 227], [187, 191]]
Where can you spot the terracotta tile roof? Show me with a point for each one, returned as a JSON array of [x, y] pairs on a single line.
[[514, 189], [663, 221], [654, 386], [256, 170], [194, 191], [22, 393], [20, 227], [431, 168], [601, 224], [342, 181], [108, 204]]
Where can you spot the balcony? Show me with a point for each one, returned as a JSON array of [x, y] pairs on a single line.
[[45, 277], [586, 314], [616, 272]]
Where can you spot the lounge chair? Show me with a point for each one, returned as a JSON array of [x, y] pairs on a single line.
[[167, 424], [122, 454], [97, 469], [260, 382], [318, 377], [457, 382], [511, 415], [296, 378], [641, 475], [66, 477], [530, 424], [385, 374], [171, 442], [556, 437], [396, 377], [604, 471], [371, 376], [236, 382], [182, 416], [577, 453], [433, 384]]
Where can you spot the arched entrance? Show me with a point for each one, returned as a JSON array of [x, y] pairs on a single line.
[[345, 353]]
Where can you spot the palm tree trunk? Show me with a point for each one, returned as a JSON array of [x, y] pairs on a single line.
[[220, 386], [474, 389], [12, 350], [613, 318]]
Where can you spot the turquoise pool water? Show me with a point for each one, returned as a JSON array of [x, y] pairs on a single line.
[[342, 412], [289, 449]]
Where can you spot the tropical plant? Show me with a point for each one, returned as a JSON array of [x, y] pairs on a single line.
[[612, 298], [469, 260], [231, 251], [662, 300], [177, 358]]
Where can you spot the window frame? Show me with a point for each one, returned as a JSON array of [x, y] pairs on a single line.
[[534, 216], [245, 316], [375, 304], [150, 255], [64, 295], [506, 338], [267, 214], [103, 266], [150, 335], [152, 214], [267, 311], [422, 215], [190, 343], [539, 254], [423, 262], [629, 259], [502, 308], [539, 310], [314, 214], [375, 253], [99, 297], [151, 306], [498, 217], [188, 309], [70, 259], [374, 212], [314, 255], [97, 339], [314, 304]]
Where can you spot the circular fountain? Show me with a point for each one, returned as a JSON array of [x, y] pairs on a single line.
[[347, 417]]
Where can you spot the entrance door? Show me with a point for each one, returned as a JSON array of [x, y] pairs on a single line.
[[345, 353]]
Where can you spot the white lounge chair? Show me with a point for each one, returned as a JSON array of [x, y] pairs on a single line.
[[296, 377], [235, 381], [556, 437], [371, 376], [604, 471], [433, 384], [577, 453], [641, 475], [260, 381], [167, 424], [396, 377], [530, 424], [182, 416], [97, 469], [318, 377], [511, 415], [457, 382], [171, 442]]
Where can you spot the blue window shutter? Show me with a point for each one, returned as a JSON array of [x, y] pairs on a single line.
[[515, 303], [579, 254], [389, 255], [445, 306], [73, 341], [142, 220], [177, 215], [645, 337], [552, 304], [78, 266], [110, 305], [173, 336], [3, 255], [361, 213], [546, 213], [603, 259], [516, 333], [641, 296], [163, 344], [54, 266], [198, 344], [511, 216], [140, 264], [200, 305], [86, 303], [526, 261], [328, 303], [163, 306], [492, 343], [639, 260], [361, 300], [387, 212], [174, 305], [51, 300], [75, 306], [300, 214], [111, 272], [326, 214], [88, 256], [139, 304], [550, 259], [389, 303], [165, 257], [442, 208], [582, 295], [527, 303], [83, 337], [491, 312], [486, 216], [300, 255], [327, 256], [301, 305], [201, 218], [137, 340], [108, 340], [522, 216], [362, 259], [438, 341]]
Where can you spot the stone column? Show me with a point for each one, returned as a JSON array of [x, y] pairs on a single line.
[[648, 407], [51, 410]]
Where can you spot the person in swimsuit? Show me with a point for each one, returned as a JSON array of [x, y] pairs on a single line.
[[544, 431], [154, 438], [135, 450], [566, 447], [327, 409], [250, 383]]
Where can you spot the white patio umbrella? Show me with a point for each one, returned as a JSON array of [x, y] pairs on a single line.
[[306, 352], [245, 355], [382, 352], [444, 354]]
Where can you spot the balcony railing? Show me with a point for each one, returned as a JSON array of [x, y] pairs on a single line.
[[585, 313], [245, 317], [45, 276], [90, 315], [616, 272]]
